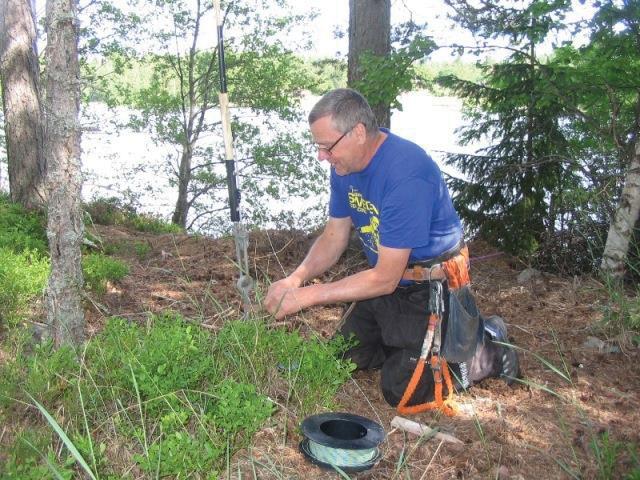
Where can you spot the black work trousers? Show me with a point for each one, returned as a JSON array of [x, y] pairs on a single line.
[[390, 331]]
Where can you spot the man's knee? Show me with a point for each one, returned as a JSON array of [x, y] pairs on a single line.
[[396, 373], [364, 356]]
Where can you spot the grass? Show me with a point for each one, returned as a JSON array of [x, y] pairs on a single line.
[[622, 313], [125, 408], [177, 398], [99, 269], [607, 453], [23, 276], [113, 211], [25, 264]]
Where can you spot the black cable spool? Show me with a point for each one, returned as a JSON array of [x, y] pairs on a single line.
[[344, 440]]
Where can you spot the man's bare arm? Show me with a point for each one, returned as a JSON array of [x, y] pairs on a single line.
[[325, 251], [323, 254], [379, 280], [374, 282]]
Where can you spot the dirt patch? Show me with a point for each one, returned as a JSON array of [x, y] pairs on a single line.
[[516, 432]]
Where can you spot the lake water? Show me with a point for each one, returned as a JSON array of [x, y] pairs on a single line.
[[119, 162]]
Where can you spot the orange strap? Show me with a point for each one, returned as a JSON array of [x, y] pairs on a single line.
[[457, 270], [440, 369], [457, 273]]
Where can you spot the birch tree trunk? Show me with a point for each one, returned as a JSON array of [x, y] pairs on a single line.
[[20, 78], [369, 31], [62, 146], [621, 229]]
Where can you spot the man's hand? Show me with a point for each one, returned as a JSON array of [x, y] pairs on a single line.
[[281, 299]]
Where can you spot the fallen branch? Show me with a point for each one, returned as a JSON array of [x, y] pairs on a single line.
[[421, 429]]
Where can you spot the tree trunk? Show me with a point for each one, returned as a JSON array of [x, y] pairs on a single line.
[[184, 178], [369, 31], [621, 229], [19, 75], [62, 144]]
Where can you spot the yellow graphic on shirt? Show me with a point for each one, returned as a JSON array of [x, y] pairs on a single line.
[[369, 234]]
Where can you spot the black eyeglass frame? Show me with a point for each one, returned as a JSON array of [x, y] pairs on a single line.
[[328, 150]]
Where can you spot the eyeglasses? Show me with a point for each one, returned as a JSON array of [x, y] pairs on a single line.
[[328, 150]]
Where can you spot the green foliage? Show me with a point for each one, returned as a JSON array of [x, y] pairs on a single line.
[[504, 198], [511, 189], [31, 457], [326, 74], [179, 453], [313, 370], [265, 82], [98, 269], [20, 230], [529, 21], [634, 453], [172, 356], [608, 454], [52, 373], [142, 249], [23, 277], [153, 224], [177, 397], [239, 408], [108, 211], [115, 78], [546, 185], [384, 78], [113, 211], [426, 74], [622, 311], [24, 266]]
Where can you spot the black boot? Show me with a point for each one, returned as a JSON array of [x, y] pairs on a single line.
[[497, 330]]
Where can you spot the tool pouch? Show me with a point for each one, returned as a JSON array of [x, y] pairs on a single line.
[[463, 322], [463, 317]]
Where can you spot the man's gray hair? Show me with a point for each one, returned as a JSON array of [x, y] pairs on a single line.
[[347, 108]]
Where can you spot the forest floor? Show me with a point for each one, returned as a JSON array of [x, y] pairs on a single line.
[[543, 428]]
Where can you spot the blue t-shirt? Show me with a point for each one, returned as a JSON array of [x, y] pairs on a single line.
[[399, 200]]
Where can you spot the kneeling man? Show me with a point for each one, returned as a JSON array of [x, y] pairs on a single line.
[[413, 307]]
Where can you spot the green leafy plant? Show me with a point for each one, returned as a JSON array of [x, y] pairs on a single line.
[[239, 408], [313, 370], [30, 457], [182, 453], [606, 452], [24, 264], [52, 373], [20, 230], [109, 211], [384, 78], [99, 269], [154, 224], [142, 249], [181, 399], [114, 211], [23, 277], [172, 356], [622, 311]]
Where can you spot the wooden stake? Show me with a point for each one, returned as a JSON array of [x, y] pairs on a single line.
[[420, 429]]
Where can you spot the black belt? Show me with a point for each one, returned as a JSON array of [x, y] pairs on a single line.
[[443, 257]]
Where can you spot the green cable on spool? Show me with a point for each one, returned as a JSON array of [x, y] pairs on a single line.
[[340, 457], [349, 442]]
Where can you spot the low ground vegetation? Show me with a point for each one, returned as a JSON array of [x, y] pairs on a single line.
[[164, 398], [171, 384]]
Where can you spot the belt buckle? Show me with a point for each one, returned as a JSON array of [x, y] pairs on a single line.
[[431, 268]]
